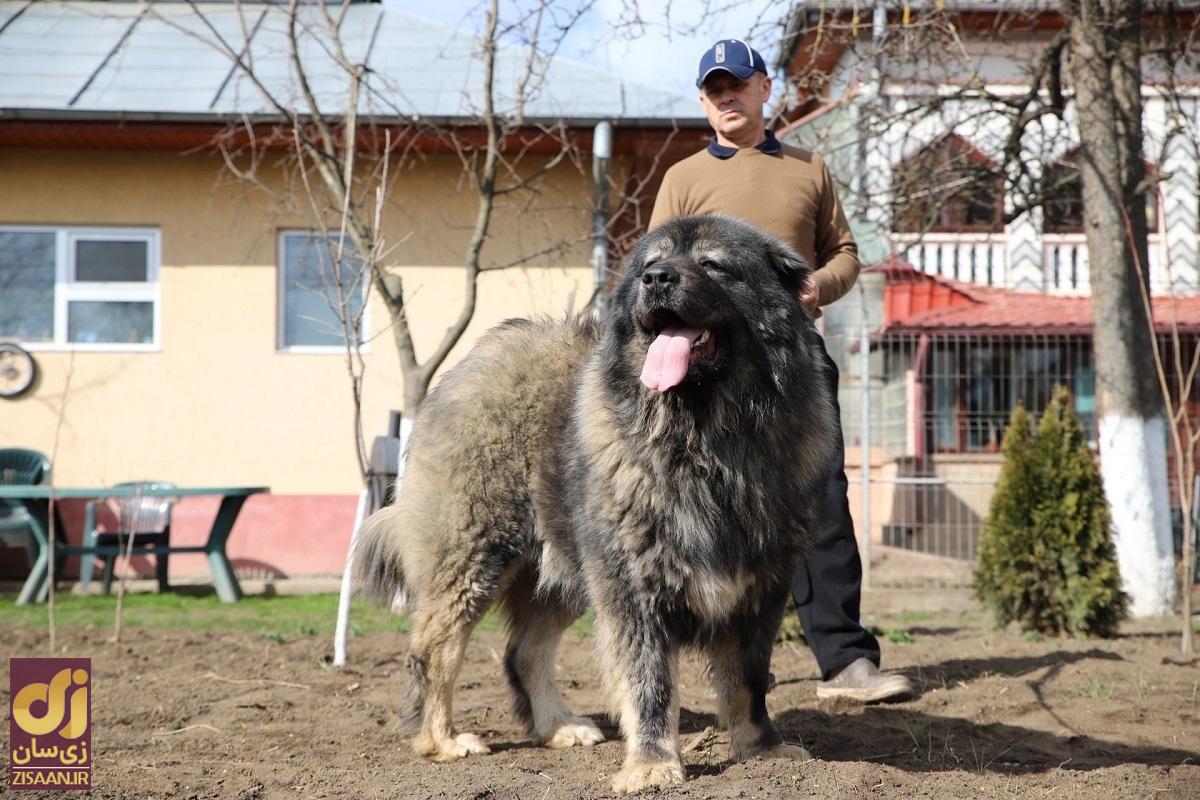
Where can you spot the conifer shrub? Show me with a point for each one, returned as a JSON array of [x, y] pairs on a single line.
[[791, 629], [1046, 559], [1005, 547]]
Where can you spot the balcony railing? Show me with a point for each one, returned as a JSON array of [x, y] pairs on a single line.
[[982, 258], [969, 257], [1065, 259]]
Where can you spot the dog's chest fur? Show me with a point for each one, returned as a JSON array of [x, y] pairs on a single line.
[[693, 527]]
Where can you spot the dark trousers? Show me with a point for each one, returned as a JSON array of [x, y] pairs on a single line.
[[828, 584]]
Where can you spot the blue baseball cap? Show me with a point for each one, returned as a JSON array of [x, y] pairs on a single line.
[[733, 56]]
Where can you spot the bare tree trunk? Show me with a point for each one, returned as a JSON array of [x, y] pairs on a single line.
[[1106, 71]]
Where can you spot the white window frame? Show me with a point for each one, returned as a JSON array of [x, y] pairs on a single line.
[[281, 344], [67, 289]]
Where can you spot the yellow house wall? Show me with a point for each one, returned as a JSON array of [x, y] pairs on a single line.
[[218, 402]]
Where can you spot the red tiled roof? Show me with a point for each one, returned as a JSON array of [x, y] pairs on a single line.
[[918, 303]]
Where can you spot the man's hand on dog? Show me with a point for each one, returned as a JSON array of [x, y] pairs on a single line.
[[809, 295]]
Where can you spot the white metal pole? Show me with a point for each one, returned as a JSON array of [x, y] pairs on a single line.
[[602, 138], [405, 435], [406, 427], [360, 516], [343, 613], [864, 356]]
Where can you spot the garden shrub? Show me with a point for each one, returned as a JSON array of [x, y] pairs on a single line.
[[791, 629], [1046, 559]]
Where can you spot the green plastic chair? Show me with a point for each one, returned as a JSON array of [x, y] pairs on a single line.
[[146, 519], [19, 466]]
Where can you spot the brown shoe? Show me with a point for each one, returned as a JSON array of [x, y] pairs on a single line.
[[861, 680]]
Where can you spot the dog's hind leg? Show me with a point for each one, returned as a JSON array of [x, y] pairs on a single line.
[[436, 645], [535, 628]]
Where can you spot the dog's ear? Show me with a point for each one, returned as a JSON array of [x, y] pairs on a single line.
[[789, 265]]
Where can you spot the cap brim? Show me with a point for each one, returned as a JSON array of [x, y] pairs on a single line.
[[741, 73]]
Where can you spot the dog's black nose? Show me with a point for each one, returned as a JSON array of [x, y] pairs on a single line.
[[660, 275]]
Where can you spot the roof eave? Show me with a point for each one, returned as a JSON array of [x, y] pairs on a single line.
[[901, 329], [189, 132], [88, 115]]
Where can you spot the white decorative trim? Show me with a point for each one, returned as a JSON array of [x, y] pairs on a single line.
[[1180, 216], [1133, 465]]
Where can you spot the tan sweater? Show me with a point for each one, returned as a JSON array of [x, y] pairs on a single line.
[[790, 195]]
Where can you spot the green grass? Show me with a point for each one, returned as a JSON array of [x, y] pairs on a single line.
[[277, 619], [893, 635], [1098, 689], [281, 616], [912, 617], [980, 765], [582, 627]]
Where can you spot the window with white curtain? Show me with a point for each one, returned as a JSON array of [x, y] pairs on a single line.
[[321, 292], [86, 288]]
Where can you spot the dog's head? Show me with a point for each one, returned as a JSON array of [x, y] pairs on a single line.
[[705, 298]]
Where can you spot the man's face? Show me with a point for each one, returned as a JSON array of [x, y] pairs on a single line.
[[735, 107]]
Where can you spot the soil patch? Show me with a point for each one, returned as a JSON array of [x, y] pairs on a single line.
[[234, 714]]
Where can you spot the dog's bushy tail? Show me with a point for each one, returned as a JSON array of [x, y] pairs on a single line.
[[412, 707], [379, 577], [378, 566]]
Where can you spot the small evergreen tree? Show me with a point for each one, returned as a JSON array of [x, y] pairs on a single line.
[[1046, 559], [1006, 546], [791, 629]]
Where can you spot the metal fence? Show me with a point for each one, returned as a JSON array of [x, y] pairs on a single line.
[[926, 413], [937, 407]]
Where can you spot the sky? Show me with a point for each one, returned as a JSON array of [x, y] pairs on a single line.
[[663, 51]]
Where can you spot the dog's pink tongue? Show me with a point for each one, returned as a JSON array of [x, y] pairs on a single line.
[[667, 359]]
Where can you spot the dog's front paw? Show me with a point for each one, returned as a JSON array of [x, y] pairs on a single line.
[[450, 749], [651, 775], [575, 732]]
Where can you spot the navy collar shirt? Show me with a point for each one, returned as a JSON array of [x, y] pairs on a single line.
[[769, 145]]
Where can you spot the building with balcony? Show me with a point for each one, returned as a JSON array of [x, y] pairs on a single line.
[[976, 289]]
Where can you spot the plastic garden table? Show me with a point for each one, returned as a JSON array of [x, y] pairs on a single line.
[[36, 500]]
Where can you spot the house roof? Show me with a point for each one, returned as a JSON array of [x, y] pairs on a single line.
[[915, 302], [132, 61]]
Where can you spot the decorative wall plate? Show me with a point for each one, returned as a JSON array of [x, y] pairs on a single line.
[[18, 370]]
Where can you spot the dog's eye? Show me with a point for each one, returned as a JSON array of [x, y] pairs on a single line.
[[715, 266]]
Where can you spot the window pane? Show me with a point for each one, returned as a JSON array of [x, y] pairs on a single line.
[[948, 186], [1036, 371], [945, 401], [27, 285], [989, 397], [1085, 399], [107, 322], [311, 293], [105, 260]]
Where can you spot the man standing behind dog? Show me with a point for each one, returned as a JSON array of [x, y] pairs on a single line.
[[746, 172]]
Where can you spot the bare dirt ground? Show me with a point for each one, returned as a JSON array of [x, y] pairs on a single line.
[[230, 714]]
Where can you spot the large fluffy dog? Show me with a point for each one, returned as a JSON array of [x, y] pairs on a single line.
[[664, 470]]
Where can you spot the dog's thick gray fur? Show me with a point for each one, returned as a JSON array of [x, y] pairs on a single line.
[[544, 475]]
